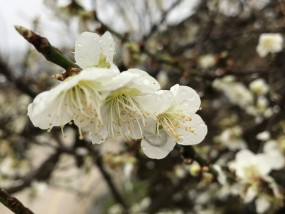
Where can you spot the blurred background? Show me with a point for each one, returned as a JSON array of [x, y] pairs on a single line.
[[210, 46]]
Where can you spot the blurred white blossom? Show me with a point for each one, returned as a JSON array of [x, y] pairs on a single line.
[[263, 136], [163, 79], [269, 43], [236, 92], [207, 61], [38, 189], [253, 170], [259, 87], [232, 138]]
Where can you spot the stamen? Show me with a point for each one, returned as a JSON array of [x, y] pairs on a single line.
[[171, 121], [125, 112]]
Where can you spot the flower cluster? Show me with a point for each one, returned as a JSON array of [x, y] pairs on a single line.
[[252, 99], [111, 105], [253, 172]]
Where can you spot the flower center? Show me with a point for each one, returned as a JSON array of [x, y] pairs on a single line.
[[252, 173], [125, 116], [268, 43], [171, 122], [82, 102], [103, 63]]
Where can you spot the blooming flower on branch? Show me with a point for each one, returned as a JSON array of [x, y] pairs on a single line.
[[122, 110], [78, 97], [172, 119], [114, 106], [269, 43]]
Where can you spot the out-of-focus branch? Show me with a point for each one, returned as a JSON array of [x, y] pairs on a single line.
[[50, 52], [13, 203], [167, 194], [6, 71], [42, 173], [164, 15], [97, 157], [189, 153]]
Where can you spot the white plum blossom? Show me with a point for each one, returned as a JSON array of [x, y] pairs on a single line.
[[259, 87], [163, 79], [78, 97], [250, 167], [122, 111], [236, 7], [232, 138], [269, 43], [253, 170], [263, 136], [91, 50], [229, 7], [253, 101], [236, 92], [38, 189], [207, 61], [114, 107], [172, 119], [272, 150]]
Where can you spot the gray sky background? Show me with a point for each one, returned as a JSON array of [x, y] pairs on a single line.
[[22, 12]]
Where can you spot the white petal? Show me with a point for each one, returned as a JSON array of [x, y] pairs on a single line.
[[185, 98], [98, 136], [249, 195], [122, 80], [277, 159], [156, 103], [264, 164], [261, 51], [87, 49], [262, 205], [132, 129], [157, 146], [108, 46], [48, 110], [192, 132], [245, 157], [102, 78], [143, 81]]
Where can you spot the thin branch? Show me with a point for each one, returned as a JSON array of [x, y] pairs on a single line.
[[50, 52], [167, 194], [98, 160], [20, 84], [189, 153], [41, 174], [13, 203], [164, 15]]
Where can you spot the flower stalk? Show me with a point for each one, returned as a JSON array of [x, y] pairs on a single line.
[[50, 52]]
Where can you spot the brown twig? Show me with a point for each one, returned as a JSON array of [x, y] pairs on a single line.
[[50, 52], [13, 203], [98, 160]]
